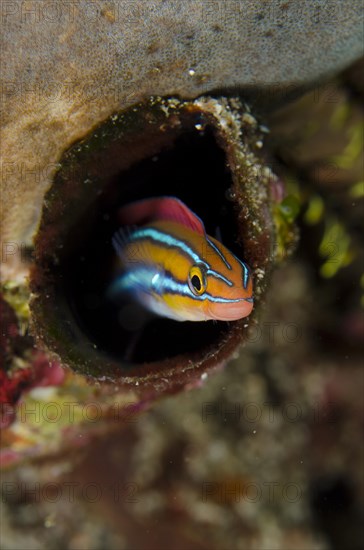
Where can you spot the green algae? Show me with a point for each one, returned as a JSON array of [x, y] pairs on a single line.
[[285, 214], [17, 295]]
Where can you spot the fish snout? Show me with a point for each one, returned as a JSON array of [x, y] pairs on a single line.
[[231, 311]]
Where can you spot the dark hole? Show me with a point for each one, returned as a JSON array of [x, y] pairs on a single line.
[[195, 171]]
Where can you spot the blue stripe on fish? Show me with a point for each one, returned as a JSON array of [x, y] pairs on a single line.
[[246, 274], [144, 278], [213, 245], [155, 235]]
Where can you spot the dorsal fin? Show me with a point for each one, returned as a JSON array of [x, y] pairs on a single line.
[[160, 208]]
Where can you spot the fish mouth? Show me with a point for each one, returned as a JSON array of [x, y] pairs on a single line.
[[231, 312]]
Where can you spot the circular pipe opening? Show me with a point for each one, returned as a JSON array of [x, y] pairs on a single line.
[[151, 150]]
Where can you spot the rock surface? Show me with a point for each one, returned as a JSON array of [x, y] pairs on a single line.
[[69, 65]]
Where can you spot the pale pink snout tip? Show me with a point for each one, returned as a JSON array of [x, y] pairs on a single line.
[[231, 312]]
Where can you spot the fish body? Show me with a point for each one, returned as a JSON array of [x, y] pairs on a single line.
[[175, 269]]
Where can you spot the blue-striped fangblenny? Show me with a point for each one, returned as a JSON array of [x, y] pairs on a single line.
[[173, 268]]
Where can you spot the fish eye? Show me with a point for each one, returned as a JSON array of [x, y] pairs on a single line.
[[197, 280]]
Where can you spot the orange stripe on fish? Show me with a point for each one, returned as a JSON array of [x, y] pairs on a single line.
[[174, 268]]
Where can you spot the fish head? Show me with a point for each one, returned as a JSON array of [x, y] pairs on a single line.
[[229, 284], [208, 282]]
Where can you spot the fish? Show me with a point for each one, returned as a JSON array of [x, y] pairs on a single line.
[[170, 266]]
